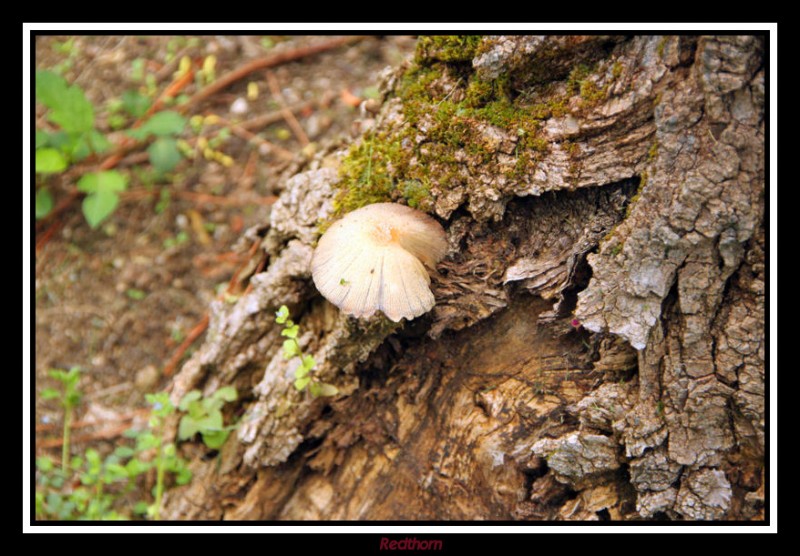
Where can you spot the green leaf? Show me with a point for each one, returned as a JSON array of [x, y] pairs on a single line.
[[146, 441], [102, 181], [227, 393], [93, 457], [50, 161], [188, 398], [135, 103], [123, 452], [290, 332], [164, 154], [49, 88], [61, 141], [44, 464], [315, 388], [308, 362], [50, 394], [115, 472], [184, 476], [211, 423], [196, 409], [140, 508], [282, 314], [212, 404], [44, 202], [290, 349], [135, 294], [137, 69], [73, 111], [300, 372], [166, 122], [57, 374], [41, 139], [136, 467], [301, 383], [102, 199], [187, 428], [328, 389], [78, 147], [215, 440], [91, 142], [73, 376], [72, 399], [99, 206]]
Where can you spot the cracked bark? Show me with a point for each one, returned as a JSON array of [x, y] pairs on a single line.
[[643, 220]]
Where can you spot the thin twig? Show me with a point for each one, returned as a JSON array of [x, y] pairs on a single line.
[[138, 194], [268, 62], [253, 138], [274, 117], [193, 334], [249, 169], [104, 434], [62, 205], [287, 114], [170, 92], [47, 234]]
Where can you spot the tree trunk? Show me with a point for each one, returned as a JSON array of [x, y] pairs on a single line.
[[597, 346]]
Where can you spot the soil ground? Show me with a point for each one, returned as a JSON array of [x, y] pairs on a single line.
[[118, 301]]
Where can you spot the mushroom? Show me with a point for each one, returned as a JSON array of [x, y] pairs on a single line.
[[374, 259]]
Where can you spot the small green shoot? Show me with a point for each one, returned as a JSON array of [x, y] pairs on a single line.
[[136, 295], [303, 376], [167, 459], [69, 397]]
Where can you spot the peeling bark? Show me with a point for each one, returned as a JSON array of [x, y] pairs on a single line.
[[643, 220]]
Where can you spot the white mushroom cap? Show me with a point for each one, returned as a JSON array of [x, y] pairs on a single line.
[[374, 259]]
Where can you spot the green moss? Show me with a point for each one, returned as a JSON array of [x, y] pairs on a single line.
[[366, 172], [558, 107], [416, 193], [652, 153], [450, 107], [579, 82], [591, 93], [478, 93], [576, 76], [616, 70], [661, 46], [447, 48]]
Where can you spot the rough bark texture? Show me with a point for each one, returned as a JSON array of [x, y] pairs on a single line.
[[597, 346]]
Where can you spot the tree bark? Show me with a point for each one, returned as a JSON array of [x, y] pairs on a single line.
[[597, 346]]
